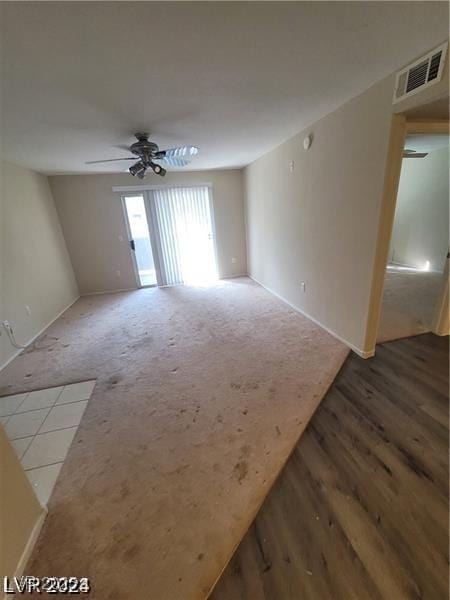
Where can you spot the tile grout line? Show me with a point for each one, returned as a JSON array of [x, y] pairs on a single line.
[[58, 462], [45, 433], [59, 429], [41, 390], [39, 431], [46, 389], [28, 445], [49, 431], [51, 408], [25, 412], [26, 396], [32, 438]]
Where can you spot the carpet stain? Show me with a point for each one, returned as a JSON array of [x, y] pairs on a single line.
[[241, 470]]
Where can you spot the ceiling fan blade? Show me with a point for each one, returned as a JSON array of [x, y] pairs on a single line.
[[93, 162], [174, 162], [181, 152], [414, 154]]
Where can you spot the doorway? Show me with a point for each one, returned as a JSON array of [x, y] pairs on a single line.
[[176, 236], [419, 239], [139, 239]]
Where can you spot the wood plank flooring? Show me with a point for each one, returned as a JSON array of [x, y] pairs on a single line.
[[361, 509]]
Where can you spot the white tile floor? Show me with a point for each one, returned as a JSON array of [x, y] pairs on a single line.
[[41, 426]]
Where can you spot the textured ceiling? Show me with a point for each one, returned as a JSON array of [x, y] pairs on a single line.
[[234, 78]]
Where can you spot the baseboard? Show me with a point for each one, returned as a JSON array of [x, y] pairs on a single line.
[[21, 565], [31, 543], [411, 268], [136, 289], [31, 340], [110, 291], [358, 351], [233, 276]]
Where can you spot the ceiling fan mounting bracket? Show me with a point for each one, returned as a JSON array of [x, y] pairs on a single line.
[[141, 137], [143, 148]]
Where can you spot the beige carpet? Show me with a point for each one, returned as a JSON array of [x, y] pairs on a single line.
[[409, 300], [201, 395]]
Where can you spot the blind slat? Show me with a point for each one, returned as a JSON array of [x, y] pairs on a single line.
[[184, 227]]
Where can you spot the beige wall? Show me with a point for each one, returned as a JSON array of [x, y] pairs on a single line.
[[20, 511], [35, 265], [92, 221], [421, 225], [319, 223]]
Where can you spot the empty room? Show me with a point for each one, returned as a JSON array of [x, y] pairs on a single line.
[[224, 300]]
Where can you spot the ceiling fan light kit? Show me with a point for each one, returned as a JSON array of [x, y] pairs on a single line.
[[149, 152]]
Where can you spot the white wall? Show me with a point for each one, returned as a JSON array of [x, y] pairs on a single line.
[[92, 220], [35, 267], [421, 226], [319, 224]]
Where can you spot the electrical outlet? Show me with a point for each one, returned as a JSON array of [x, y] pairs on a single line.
[[291, 166], [28, 310], [234, 260], [303, 286], [120, 238], [118, 273]]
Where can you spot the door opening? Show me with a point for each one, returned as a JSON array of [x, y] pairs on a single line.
[[419, 239], [401, 128], [139, 238], [172, 237]]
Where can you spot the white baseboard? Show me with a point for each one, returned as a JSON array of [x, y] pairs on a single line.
[[23, 560], [31, 543], [358, 351], [233, 276], [31, 340], [111, 291]]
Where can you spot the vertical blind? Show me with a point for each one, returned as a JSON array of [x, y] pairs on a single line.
[[184, 228]]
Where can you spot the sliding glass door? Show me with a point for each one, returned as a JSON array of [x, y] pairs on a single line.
[[180, 232]]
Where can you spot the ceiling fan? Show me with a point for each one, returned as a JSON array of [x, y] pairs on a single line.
[[149, 152], [413, 154]]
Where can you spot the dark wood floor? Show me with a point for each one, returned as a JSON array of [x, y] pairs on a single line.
[[361, 508]]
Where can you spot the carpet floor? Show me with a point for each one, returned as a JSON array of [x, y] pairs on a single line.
[[201, 395], [409, 301]]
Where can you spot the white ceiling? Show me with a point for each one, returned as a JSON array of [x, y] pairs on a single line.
[[427, 143], [234, 78]]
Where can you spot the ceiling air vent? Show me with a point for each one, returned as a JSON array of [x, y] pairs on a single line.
[[420, 74]]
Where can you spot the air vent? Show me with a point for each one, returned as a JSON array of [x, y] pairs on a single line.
[[420, 74]]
